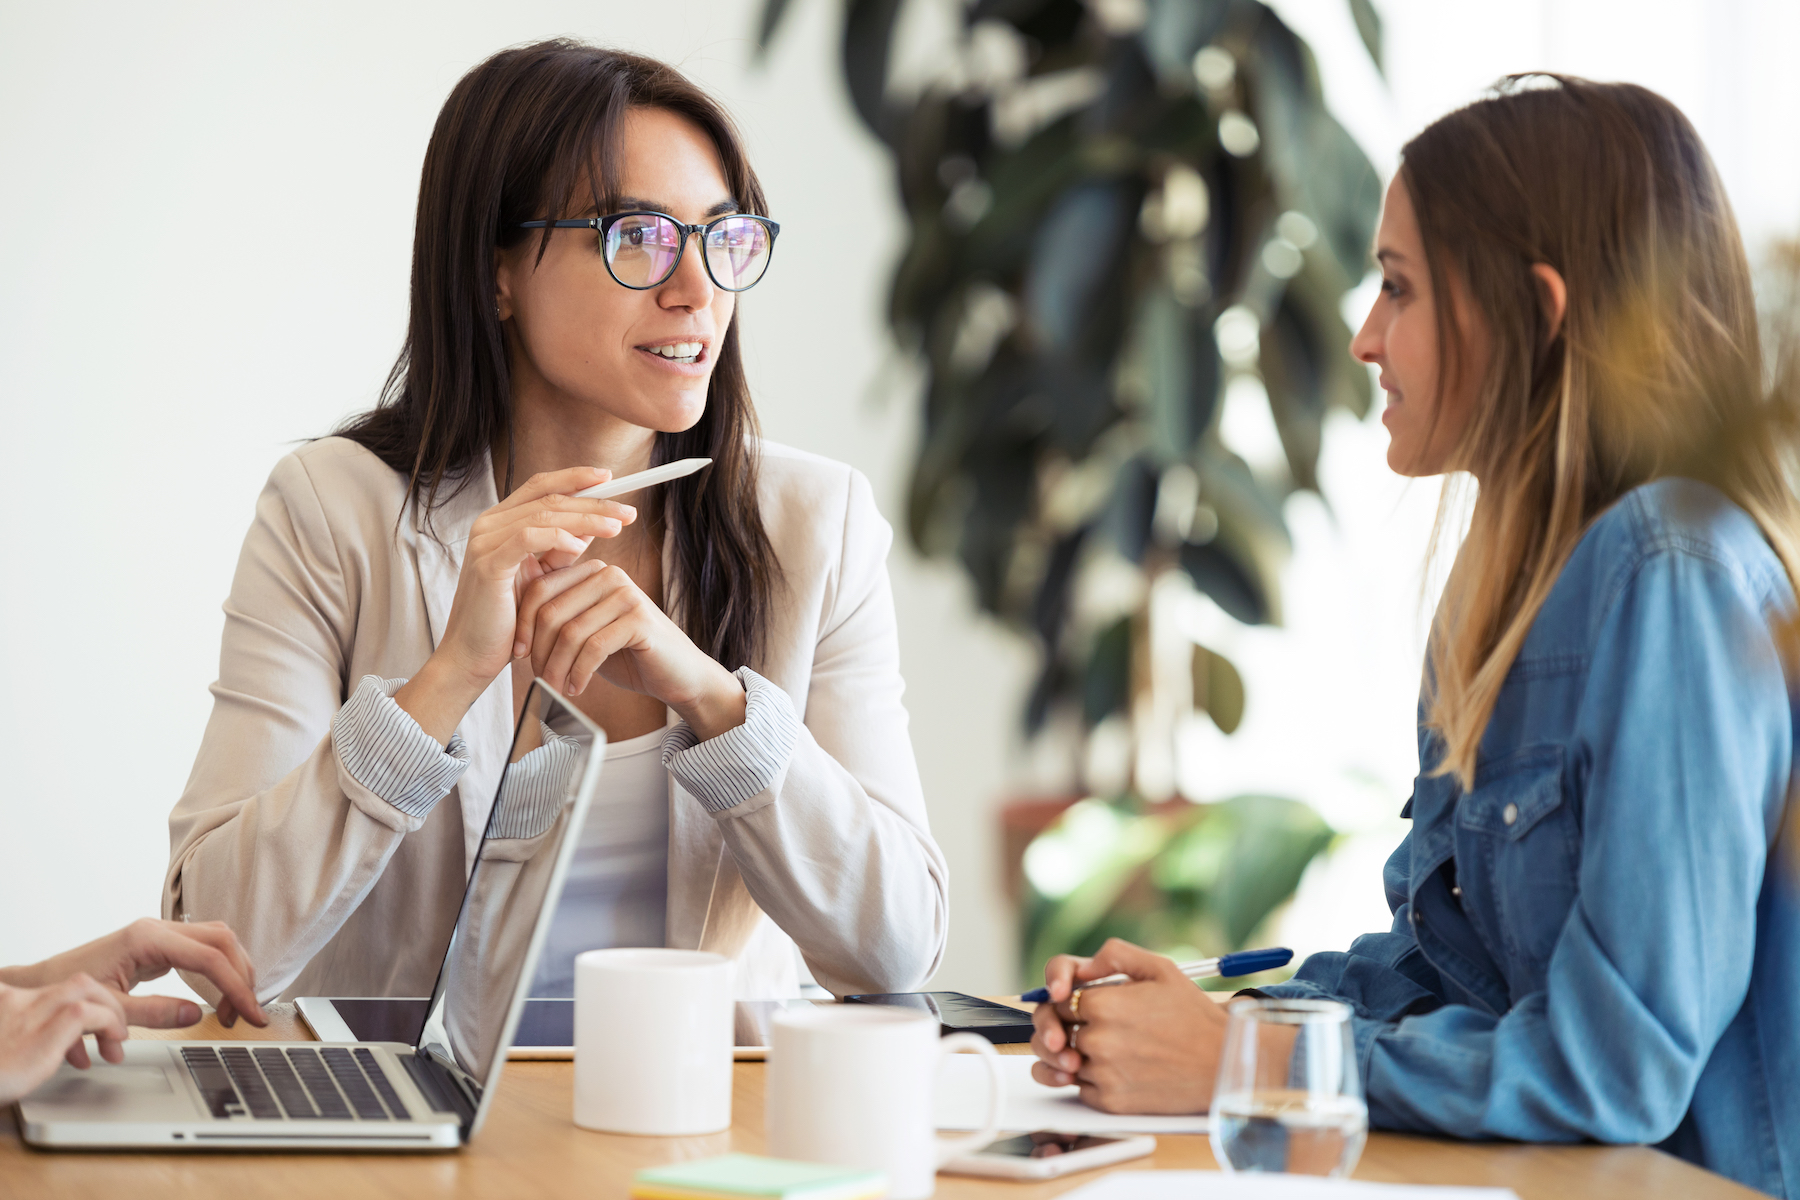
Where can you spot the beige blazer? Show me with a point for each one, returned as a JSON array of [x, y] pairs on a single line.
[[334, 891]]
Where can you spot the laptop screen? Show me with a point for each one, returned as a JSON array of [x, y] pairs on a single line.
[[531, 835]]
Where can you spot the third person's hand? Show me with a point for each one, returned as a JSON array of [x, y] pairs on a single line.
[[1148, 1046]]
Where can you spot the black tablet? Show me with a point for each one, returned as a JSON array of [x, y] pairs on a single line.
[[957, 1013]]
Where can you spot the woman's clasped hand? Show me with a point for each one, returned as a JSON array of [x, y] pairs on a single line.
[[1148, 1046], [529, 591], [591, 618], [47, 1008], [541, 529]]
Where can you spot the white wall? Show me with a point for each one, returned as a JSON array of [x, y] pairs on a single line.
[[208, 216]]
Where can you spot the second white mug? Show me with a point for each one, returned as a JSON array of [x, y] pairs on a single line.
[[852, 1085], [653, 1034]]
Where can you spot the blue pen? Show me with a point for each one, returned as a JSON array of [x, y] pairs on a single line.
[[1246, 962]]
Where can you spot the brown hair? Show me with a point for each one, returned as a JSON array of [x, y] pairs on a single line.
[[1654, 371], [520, 135]]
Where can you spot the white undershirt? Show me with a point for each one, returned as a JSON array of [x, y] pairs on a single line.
[[617, 893]]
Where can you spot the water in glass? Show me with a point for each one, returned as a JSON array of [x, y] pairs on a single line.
[[1289, 1097]]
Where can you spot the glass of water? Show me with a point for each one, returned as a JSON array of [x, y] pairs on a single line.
[[1289, 1096]]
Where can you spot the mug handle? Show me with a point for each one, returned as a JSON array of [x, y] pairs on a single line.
[[949, 1148]]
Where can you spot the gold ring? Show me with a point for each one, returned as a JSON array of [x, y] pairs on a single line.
[[1075, 1005]]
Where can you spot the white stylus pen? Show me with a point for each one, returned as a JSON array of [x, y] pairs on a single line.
[[643, 479]]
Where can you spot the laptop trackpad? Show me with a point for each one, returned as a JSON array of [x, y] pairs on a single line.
[[105, 1092]]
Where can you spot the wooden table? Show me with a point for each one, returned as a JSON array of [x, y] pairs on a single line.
[[530, 1149]]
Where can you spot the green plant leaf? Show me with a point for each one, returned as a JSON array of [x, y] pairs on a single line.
[[1174, 31], [772, 13], [1076, 256], [1052, 22], [868, 33], [1106, 685], [1133, 508], [1071, 922], [1181, 372], [1218, 689], [1276, 840], [1218, 574], [1368, 27], [1293, 371], [1190, 865], [1342, 192]]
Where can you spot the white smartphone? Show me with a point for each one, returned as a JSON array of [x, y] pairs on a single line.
[[643, 479], [1046, 1155]]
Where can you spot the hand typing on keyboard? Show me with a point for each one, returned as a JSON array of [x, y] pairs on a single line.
[[46, 1008]]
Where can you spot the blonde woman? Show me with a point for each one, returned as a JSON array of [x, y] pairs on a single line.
[[1593, 938]]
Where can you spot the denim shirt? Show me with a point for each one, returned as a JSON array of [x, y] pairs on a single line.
[[1601, 939]]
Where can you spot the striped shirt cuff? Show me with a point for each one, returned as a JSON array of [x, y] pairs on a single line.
[[725, 771], [384, 749], [532, 793]]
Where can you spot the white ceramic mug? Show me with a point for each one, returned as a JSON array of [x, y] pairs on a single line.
[[852, 1085], [653, 1041]]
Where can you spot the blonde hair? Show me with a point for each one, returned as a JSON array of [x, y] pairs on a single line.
[[1655, 369]]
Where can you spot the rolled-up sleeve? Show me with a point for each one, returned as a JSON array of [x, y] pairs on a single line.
[[534, 788], [724, 771], [384, 752]]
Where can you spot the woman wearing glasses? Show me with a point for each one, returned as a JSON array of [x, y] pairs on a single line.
[[586, 221]]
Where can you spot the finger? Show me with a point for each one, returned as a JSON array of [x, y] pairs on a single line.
[[1096, 1097], [498, 554], [499, 536], [531, 569], [565, 482], [621, 514], [112, 1049], [541, 592], [584, 525], [1120, 957], [620, 632], [225, 940], [1052, 1043], [1051, 1033], [161, 1012], [79, 1006], [624, 514], [1060, 974], [586, 611], [211, 949], [1049, 1076]]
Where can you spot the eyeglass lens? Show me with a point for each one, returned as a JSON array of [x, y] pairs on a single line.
[[642, 249]]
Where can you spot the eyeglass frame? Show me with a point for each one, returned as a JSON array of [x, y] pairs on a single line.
[[600, 226]]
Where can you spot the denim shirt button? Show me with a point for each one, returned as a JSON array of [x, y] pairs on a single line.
[[1457, 892], [1510, 813], [1415, 917]]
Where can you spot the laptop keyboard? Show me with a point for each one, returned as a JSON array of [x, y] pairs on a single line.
[[296, 1082]]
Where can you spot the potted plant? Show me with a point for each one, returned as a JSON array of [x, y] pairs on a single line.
[[1121, 211]]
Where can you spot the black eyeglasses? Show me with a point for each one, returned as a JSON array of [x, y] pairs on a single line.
[[642, 249]]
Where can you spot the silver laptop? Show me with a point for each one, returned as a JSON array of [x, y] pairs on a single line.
[[431, 1095]]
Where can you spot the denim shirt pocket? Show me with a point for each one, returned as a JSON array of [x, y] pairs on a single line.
[[1518, 858]]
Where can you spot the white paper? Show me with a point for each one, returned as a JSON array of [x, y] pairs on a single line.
[[1216, 1185], [962, 1090]]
